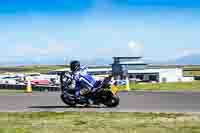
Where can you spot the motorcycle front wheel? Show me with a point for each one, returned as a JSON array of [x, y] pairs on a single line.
[[112, 101]]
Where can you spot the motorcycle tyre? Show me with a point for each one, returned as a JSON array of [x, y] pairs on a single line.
[[109, 102], [70, 103]]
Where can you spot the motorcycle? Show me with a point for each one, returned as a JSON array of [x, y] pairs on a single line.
[[105, 93]]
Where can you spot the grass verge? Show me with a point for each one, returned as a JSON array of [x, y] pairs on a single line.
[[31, 69], [11, 91], [194, 86], [91, 122]]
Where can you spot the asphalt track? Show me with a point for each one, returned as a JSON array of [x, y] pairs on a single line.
[[130, 102]]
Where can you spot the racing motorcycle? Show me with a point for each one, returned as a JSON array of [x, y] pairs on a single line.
[[105, 93]]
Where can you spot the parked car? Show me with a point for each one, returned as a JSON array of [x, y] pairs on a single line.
[[43, 79], [10, 80], [39, 82]]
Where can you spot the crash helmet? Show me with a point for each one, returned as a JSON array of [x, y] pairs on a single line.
[[75, 65]]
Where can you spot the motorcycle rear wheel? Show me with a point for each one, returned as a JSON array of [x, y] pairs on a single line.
[[67, 101]]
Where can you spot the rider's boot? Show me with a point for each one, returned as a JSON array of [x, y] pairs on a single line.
[[90, 101]]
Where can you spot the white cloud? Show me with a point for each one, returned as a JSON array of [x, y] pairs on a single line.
[[135, 48], [132, 49]]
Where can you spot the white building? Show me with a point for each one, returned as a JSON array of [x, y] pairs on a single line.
[[157, 75], [136, 69]]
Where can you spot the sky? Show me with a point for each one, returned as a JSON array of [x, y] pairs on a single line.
[[89, 29]]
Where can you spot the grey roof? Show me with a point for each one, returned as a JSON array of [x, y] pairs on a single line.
[[128, 57]]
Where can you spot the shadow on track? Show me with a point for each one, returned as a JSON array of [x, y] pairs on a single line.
[[62, 107]]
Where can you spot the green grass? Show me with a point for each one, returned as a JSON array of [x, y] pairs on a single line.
[[91, 122], [11, 91], [192, 73], [191, 70], [194, 86], [31, 69]]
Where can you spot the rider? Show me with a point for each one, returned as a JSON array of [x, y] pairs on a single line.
[[80, 75]]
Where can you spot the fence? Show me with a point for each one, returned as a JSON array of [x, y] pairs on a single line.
[[34, 88]]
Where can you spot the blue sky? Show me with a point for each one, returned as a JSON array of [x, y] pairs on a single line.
[[89, 29]]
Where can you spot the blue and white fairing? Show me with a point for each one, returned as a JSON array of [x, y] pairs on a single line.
[[86, 77], [83, 79]]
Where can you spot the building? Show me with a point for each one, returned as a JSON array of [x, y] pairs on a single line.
[[135, 69], [122, 65], [157, 75]]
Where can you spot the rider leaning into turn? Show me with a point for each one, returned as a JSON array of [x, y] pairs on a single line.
[[80, 75]]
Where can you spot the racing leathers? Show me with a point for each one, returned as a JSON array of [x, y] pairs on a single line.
[[84, 82]]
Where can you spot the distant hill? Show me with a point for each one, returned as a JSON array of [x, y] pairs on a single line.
[[54, 61], [185, 60], [188, 60], [98, 61]]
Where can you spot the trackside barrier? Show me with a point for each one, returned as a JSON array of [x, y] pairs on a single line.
[[34, 88], [29, 87], [127, 84]]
